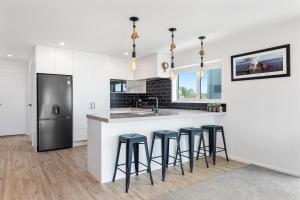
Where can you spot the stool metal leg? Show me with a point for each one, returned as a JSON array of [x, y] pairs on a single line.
[[136, 157], [164, 153], [117, 162], [210, 141], [177, 151], [129, 147], [148, 161], [224, 143], [178, 147], [191, 150], [168, 152], [152, 145], [203, 141], [199, 147], [214, 145]]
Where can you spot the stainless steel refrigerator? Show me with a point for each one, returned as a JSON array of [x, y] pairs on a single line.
[[54, 111]]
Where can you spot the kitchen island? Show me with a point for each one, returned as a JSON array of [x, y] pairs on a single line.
[[103, 133]]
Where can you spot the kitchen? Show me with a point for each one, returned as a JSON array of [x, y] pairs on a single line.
[[206, 104]]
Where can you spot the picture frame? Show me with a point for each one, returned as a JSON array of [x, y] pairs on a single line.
[[266, 63]]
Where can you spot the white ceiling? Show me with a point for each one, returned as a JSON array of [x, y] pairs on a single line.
[[103, 26]]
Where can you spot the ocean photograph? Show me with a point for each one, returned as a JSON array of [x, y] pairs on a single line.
[[272, 62]]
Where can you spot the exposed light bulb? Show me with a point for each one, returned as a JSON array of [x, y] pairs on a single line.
[[201, 72], [173, 75], [133, 65]]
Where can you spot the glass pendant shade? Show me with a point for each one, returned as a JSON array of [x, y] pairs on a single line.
[[201, 73], [172, 75], [133, 65]]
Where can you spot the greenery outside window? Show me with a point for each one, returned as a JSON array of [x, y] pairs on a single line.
[[190, 88]]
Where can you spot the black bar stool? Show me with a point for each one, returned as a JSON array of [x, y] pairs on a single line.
[[132, 142], [165, 136], [191, 132], [213, 149]]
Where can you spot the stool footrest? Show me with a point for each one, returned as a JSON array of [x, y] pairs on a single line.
[[202, 156], [172, 163], [143, 170], [132, 163]]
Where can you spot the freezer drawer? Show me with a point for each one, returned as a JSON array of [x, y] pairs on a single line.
[[55, 134]]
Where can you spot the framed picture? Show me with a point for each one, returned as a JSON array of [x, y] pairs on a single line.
[[267, 63]]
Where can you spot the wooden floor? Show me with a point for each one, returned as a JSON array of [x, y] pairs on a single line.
[[63, 174]]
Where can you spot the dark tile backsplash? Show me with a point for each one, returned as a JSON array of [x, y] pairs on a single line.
[[160, 88]]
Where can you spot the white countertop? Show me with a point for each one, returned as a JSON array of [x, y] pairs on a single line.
[[136, 114]]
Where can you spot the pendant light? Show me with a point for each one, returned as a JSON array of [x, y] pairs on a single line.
[[134, 36], [200, 72], [172, 47]]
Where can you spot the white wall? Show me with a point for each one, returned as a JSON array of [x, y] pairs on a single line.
[[12, 66], [262, 119], [15, 112]]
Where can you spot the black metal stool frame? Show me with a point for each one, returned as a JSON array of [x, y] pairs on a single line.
[[212, 131], [191, 141], [165, 142], [132, 147]]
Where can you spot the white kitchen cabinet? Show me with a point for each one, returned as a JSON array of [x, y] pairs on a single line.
[[82, 94], [100, 84], [45, 59], [91, 74], [90, 90], [150, 67], [63, 61], [51, 60]]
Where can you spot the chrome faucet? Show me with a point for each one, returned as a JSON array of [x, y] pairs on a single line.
[[154, 109]]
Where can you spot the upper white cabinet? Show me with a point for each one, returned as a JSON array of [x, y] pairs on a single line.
[[45, 59], [63, 61], [150, 67], [52, 60], [119, 69]]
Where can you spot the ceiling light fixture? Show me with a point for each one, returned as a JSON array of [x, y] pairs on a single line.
[[126, 53], [172, 47], [61, 44], [134, 36], [9, 55], [201, 72]]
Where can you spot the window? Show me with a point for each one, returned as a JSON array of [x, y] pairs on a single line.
[[189, 87], [187, 84], [211, 84]]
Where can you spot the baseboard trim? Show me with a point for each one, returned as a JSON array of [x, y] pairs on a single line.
[[79, 143], [243, 160]]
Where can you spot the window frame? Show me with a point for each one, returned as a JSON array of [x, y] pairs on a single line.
[[214, 64]]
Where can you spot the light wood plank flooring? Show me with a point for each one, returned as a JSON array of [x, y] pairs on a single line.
[[63, 174]]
